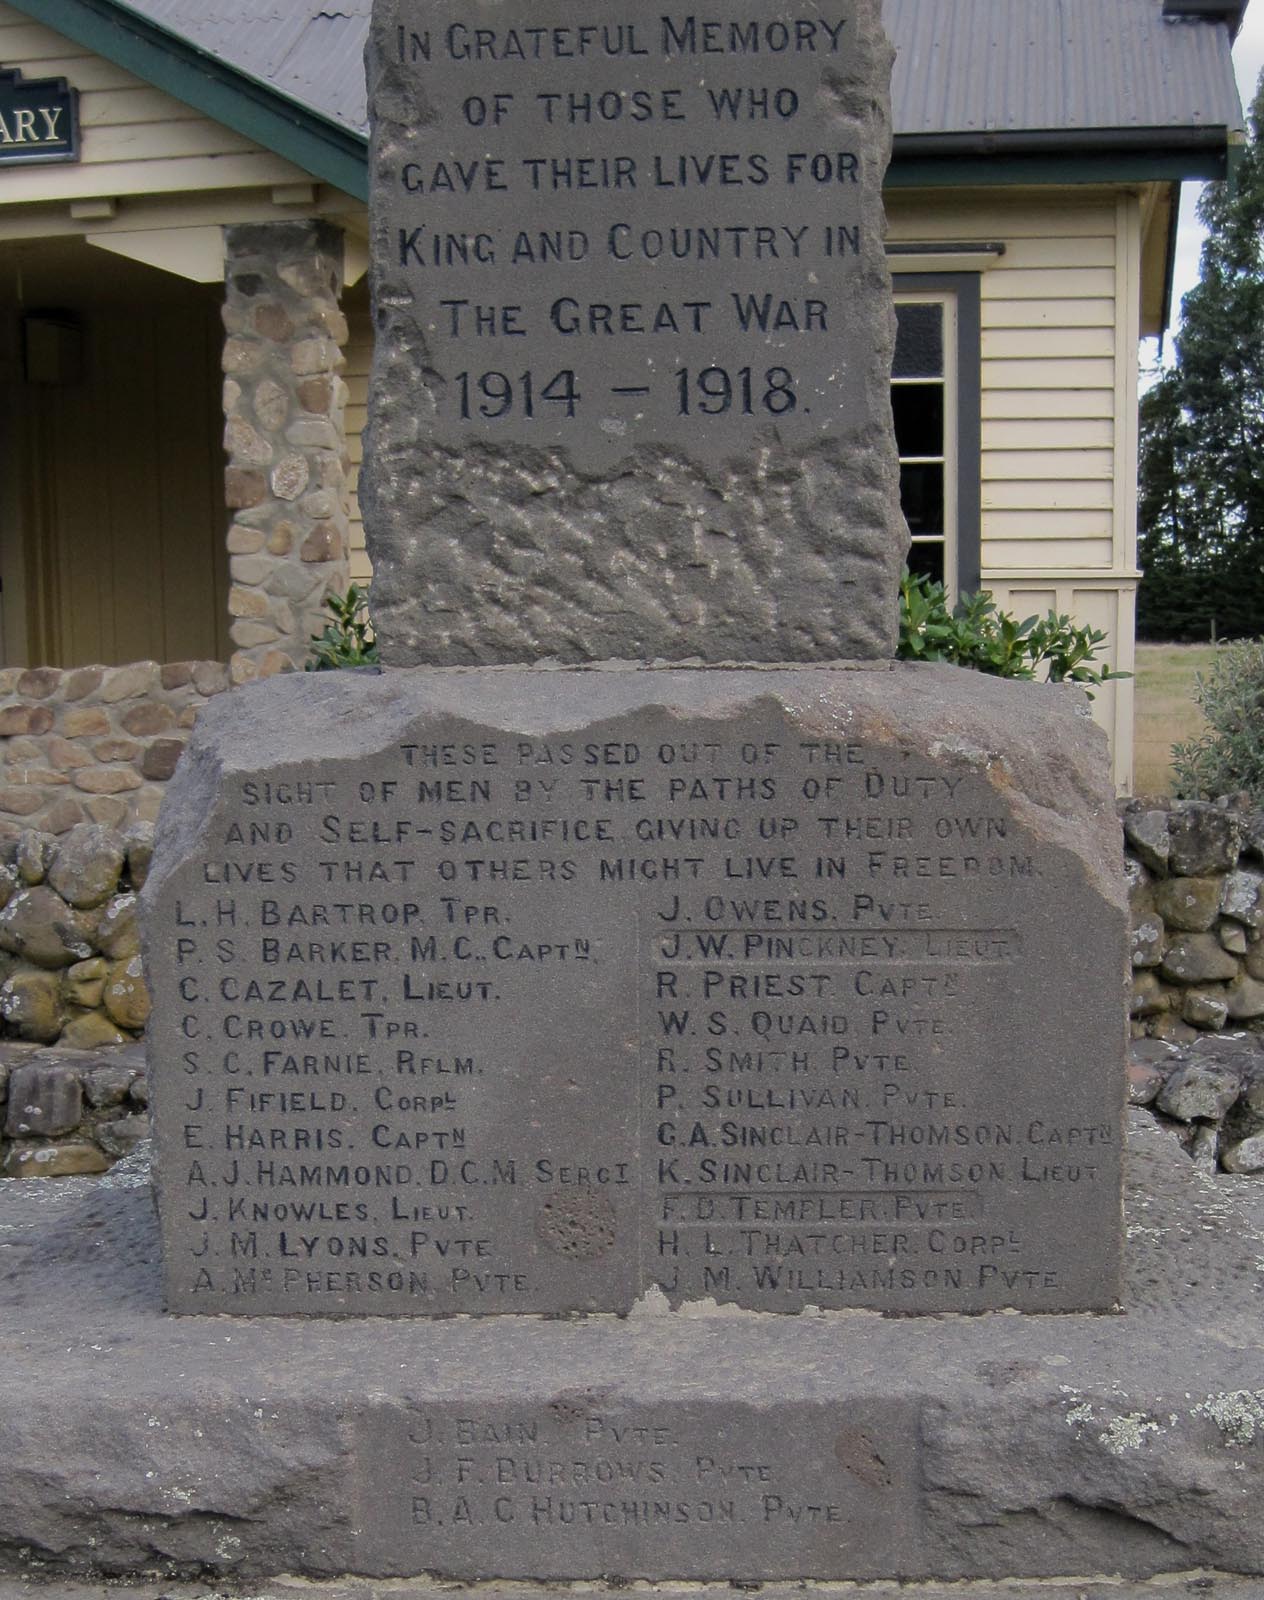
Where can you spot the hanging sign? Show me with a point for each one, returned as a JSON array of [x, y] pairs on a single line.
[[39, 119]]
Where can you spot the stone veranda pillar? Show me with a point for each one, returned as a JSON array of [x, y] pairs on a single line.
[[286, 482]]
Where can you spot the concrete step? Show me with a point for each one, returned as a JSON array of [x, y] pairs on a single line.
[[661, 1447]]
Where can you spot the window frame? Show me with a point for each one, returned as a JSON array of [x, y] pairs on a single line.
[[960, 292]]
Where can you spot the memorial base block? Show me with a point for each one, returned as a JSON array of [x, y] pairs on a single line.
[[532, 991], [667, 1447]]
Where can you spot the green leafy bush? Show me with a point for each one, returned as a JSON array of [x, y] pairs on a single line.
[[974, 633], [347, 639], [1228, 757]]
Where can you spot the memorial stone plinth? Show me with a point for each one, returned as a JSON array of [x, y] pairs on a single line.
[[561, 991], [634, 330]]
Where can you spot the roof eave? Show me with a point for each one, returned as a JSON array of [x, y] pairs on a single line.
[[1230, 12], [1059, 156], [326, 149]]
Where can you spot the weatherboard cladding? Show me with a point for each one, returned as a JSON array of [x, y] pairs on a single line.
[[962, 66]]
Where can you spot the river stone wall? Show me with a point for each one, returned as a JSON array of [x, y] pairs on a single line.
[[95, 744]]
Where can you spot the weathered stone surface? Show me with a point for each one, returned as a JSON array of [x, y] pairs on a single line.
[[246, 446], [126, 995], [1205, 1008], [949, 1447], [243, 489], [65, 754], [1182, 1585], [84, 983], [290, 477], [1145, 1080], [107, 808], [1139, 882], [44, 1098], [1247, 1156], [1189, 904], [1197, 958], [660, 524], [1147, 833], [1242, 898], [1245, 999], [84, 721], [106, 780], [34, 856], [81, 683], [118, 933], [243, 540], [781, 926], [247, 602], [210, 677], [85, 871], [1204, 838], [91, 1031], [108, 1084], [70, 1159], [62, 815], [120, 1136], [1246, 1116], [1147, 943], [1148, 997], [1200, 1090], [1233, 937], [31, 1005], [127, 683], [148, 718], [39, 926], [20, 801], [24, 719], [138, 839]]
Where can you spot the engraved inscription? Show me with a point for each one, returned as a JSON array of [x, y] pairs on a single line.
[[506, 1023], [619, 228], [580, 1476]]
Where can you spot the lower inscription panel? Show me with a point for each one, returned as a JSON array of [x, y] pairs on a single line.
[[582, 1485], [548, 992]]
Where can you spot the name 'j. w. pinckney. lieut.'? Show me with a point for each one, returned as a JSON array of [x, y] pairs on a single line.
[[667, 36]]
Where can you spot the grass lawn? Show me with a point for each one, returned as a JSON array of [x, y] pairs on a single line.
[[1166, 712]]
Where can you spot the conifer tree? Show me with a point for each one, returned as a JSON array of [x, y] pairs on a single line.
[[1201, 509]]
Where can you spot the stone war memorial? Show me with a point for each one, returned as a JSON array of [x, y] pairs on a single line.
[[547, 989], [638, 1080]]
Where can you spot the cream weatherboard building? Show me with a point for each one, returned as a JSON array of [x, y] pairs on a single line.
[[187, 277]]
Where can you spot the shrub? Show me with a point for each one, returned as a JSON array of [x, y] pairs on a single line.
[[347, 639], [976, 634], [1228, 757]]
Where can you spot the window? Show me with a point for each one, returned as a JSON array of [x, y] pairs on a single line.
[[935, 402]]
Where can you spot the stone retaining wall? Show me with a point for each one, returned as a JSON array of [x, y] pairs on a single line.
[[70, 966], [1195, 874], [69, 1113], [95, 744]]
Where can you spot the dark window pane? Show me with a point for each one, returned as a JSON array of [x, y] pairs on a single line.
[[927, 558], [922, 497], [919, 344], [919, 418]]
